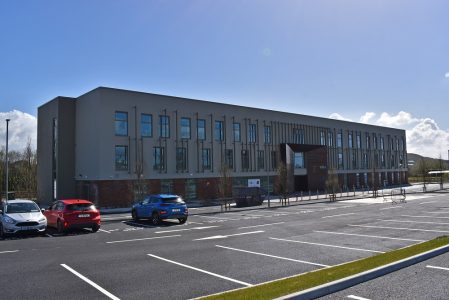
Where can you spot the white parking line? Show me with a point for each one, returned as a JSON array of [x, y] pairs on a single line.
[[399, 206], [399, 228], [333, 216], [187, 229], [371, 236], [357, 297], [326, 245], [433, 217], [436, 212], [111, 296], [138, 224], [435, 267], [200, 270], [10, 251], [219, 218], [273, 256], [143, 239], [49, 235], [226, 236], [428, 202], [263, 225], [104, 230], [416, 222]]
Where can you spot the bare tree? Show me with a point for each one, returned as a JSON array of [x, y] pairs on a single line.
[[423, 168], [282, 185], [332, 183], [225, 182]]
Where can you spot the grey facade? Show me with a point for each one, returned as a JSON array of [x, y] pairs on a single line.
[[108, 141]]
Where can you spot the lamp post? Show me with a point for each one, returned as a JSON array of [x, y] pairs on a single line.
[[6, 162]]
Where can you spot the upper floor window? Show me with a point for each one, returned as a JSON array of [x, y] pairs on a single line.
[[219, 135], [261, 159], [339, 140], [330, 139], [181, 159], [298, 136], [368, 144], [146, 125], [299, 160], [159, 158], [267, 134], [252, 133], [121, 158], [358, 141], [245, 159], [121, 123], [205, 158], [164, 126], [350, 141], [201, 129], [375, 142], [236, 129], [229, 158], [322, 138], [382, 145], [185, 128]]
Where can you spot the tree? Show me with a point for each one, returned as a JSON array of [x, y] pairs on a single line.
[[282, 185], [423, 168], [225, 182], [332, 184]]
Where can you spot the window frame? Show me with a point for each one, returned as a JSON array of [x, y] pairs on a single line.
[[117, 121]]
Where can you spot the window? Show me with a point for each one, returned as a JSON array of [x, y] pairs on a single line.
[[181, 159], [350, 142], [245, 159], [382, 145], [298, 136], [185, 128], [358, 141], [236, 129], [365, 161], [354, 161], [322, 138], [201, 129], [267, 134], [340, 161], [252, 133], [368, 144], [330, 139], [339, 140], [121, 158], [219, 136], [146, 125], [121, 123], [205, 158], [229, 158], [164, 126], [299, 160], [375, 142], [274, 161], [159, 158], [260, 159]]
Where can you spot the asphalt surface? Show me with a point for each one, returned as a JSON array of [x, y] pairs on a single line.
[[216, 252]]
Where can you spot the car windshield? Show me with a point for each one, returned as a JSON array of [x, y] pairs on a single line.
[[172, 200], [81, 206], [25, 207]]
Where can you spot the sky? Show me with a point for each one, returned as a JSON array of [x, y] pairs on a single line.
[[382, 62]]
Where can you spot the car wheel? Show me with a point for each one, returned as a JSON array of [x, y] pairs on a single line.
[[155, 218], [95, 228], [60, 227], [134, 215], [182, 220]]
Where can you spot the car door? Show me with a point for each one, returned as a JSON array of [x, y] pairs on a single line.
[[50, 214], [144, 208]]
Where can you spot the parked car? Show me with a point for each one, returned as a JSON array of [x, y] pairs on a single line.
[[160, 207], [18, 216], [74, 213]]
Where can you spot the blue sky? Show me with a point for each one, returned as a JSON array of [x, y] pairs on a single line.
[[311, 57]]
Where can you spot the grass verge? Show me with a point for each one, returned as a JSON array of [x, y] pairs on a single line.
[[308, 280]]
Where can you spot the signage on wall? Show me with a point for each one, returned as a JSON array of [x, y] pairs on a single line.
[[253, 182]]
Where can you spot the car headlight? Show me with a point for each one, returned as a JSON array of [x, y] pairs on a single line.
[[42, 220], [9, 220]]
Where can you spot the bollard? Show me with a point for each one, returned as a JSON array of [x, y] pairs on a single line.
[[310, 195], [317, 194], [301, 195], [296, 197], [353, 188]]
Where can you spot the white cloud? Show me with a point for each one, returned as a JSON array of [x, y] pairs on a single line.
[[446, 75], [424, 136], [367, 117], [337, 116], [22, 127]]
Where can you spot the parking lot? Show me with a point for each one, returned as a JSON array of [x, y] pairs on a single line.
[[216, 252]]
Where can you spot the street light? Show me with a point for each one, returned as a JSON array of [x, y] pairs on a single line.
[[6, 162]]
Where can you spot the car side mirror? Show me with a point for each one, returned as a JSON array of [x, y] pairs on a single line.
[[42, 210], [1, 212]]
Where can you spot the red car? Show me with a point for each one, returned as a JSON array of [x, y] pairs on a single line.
[[73, 213]]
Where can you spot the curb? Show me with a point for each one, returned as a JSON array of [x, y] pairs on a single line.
[[344, 283]]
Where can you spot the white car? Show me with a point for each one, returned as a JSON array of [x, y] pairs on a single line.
[[21, 216]]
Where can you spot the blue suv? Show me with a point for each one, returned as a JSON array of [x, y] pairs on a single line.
[[160, 207]]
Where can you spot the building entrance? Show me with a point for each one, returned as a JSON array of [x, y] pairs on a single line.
[[301, 183]]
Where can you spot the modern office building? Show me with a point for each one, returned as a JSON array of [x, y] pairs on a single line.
[[108, 143]]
